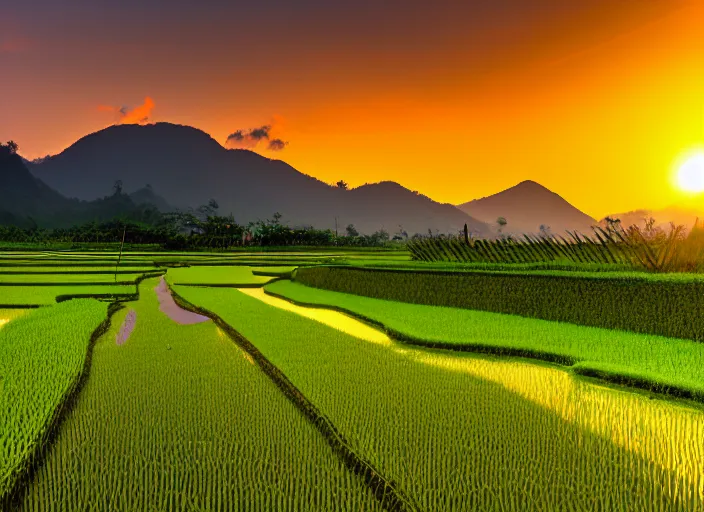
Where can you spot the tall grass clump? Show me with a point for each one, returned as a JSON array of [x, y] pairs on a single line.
[[650, 248]]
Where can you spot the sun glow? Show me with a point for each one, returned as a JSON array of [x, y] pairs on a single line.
[[690, 175]]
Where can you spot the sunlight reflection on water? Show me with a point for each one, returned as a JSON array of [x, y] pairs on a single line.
[[668, 433]]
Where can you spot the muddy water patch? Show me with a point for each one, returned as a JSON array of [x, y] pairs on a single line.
[[168, 306], [126, 328]]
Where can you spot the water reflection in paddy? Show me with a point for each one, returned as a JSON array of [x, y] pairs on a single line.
[[669, 434]]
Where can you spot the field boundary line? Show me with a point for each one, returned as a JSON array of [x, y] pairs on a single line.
[[578, 367], [385, 490]]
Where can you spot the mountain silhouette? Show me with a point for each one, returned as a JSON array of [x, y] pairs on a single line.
[[147, 196], [526, 207], [188, 168], [25, 201]]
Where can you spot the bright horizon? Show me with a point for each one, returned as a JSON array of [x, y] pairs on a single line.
[[597, 102]]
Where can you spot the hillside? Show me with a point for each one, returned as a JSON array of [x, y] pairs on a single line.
[[188, 167], [26, 201], [526, 207]]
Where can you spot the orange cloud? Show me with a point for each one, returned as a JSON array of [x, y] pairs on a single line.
[[138, 115]]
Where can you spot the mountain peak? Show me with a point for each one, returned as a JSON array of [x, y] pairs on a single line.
[[526, 206]]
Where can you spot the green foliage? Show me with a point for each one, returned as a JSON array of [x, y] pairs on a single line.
[[185, 230], [457, 432], [179, 418], [666, 305], [42, 356], [665, 363]]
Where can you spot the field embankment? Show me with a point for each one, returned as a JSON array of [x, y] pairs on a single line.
[[662, 304], [659, 364]]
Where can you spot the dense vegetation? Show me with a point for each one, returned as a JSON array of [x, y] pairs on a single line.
[[42, 356], [660, 364], [177, 231], [667, 305], [460, 433]]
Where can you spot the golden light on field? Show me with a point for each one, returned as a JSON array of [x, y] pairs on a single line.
[[3, 321], [333, 319], [690, 173]]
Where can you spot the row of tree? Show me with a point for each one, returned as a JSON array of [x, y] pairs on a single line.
[[200, 228]]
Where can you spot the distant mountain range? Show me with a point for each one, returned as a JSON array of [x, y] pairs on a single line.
[[526, 207], [188, 168], [168, 167]]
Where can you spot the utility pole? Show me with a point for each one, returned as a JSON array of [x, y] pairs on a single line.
[[335, 226], [120, 256]]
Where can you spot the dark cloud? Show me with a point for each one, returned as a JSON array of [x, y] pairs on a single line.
[[250, 139], [260, 133], [277, 145]]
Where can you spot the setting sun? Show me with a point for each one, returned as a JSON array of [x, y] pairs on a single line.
[[690, 176]]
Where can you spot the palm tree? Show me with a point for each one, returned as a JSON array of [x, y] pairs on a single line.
[[501, 221]]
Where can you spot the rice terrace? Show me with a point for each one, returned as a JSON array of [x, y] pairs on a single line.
[[352, 256], [347, 380]]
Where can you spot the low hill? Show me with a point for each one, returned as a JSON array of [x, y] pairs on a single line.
[[526, 207]]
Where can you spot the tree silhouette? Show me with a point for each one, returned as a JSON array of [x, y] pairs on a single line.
[[351, 230], [341, 184], [501, 221], [13, 147], [117, 187]]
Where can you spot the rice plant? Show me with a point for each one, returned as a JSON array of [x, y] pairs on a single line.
[[42, 356], [457, 432], [179, 418]]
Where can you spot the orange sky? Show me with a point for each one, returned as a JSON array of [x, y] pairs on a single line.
[[597, 103]]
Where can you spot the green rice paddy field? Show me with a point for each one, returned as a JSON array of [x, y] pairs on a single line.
[[221, 382]]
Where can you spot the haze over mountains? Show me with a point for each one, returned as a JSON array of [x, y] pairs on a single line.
[[526, 207], [684, 214], [187, 167]]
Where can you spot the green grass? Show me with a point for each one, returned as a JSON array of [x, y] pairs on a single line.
[[663, 305], [42, 356], [45, 295], [458, 432], [663, 362], [224, 275], [179, 418]]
